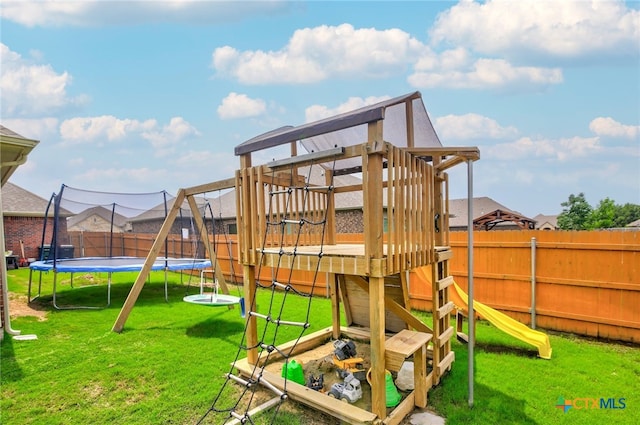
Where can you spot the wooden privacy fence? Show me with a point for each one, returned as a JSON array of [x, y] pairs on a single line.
[[586, 283]]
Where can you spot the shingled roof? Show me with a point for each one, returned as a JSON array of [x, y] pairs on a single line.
[[481, 206], [17, 201]]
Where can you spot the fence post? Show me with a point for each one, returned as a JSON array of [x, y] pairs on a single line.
[[533, 283]]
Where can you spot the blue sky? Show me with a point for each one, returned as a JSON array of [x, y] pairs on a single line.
[[144, 96]]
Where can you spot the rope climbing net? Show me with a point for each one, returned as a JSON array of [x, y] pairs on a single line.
[[292, 216]]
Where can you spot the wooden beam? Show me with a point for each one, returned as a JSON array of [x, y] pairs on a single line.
[[334, 290], [374, 251], [468, 152], [449, 163], [304, 344], [148, 263], [405, 407], [307, 159], [249, 281], [211, 187], [344, 295]]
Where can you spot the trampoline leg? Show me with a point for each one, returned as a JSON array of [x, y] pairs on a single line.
[[166, 291], [55, 281], [29, 290], [109, 290]]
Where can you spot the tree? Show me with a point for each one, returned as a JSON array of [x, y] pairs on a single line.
[[603, 217], [625, 214], [575, 213]]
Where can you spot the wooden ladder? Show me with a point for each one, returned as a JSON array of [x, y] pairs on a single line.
[[443, 357]]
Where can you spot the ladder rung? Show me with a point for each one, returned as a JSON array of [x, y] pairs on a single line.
[[260, 379], [289, 221], [267, 347], [278, 322], [445, 309], [279, 192], [239, 417], [239, 380], [270, 386], [262, 316], [255, 411], [320, 188], [281, 285], [445, 283], [286, 322]]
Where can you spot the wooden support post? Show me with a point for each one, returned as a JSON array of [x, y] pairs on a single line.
[[158, 244], [420, 376], [377, 320], [330, 227], [249, 279], [374, 251], [344, 296], [334, 291]]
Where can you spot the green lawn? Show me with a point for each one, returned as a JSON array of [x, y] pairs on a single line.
[[168, 365]]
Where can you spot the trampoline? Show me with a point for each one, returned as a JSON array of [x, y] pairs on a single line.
[[108, 265]]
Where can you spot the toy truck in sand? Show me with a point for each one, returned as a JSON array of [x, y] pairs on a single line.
[[350, 390]]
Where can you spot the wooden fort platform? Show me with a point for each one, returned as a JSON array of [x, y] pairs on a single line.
[[286, 218]]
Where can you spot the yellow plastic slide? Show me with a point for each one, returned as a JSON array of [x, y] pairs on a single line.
[[506, 324]]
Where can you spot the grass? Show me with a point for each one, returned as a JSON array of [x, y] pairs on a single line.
[[168, 364]]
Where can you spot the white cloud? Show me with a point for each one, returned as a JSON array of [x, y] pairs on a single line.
[[240, 106], [316, 54], [471, 127], [89, 129], [487, 73], [54, 13], [551, 29], [177, 129], [97, 130], [32, 89], [318, 112], [609, 127], [43, 129], [560, 149]]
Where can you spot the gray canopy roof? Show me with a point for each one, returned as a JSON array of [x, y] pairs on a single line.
[[350, 129]]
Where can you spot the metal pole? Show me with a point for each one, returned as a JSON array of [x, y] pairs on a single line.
[[472, 337], [533, 283]]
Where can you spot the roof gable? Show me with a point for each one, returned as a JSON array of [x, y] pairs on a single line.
[[17, 201]]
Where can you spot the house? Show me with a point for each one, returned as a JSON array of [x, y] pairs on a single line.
[[546, 222], [98, 219], [14, 150], [24, 214], [488, 215], [634, 225]]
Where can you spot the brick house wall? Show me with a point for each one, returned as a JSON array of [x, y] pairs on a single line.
[[29, 231]]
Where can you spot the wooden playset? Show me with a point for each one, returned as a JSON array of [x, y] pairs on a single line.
[[285, 221]]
